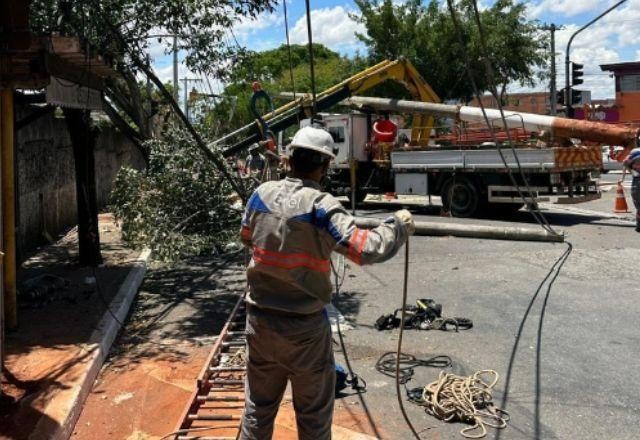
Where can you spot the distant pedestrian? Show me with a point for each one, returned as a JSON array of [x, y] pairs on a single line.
[[255, 161], [632, 163]]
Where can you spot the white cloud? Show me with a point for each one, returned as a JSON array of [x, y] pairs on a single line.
[[331, 27], [610, 40], [567, 8], [247, 28]]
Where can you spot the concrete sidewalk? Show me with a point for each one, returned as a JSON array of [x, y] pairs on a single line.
[[65, 332]]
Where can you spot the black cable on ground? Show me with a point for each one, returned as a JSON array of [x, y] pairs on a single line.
[[355, 379], [386, 364], [399, 350]]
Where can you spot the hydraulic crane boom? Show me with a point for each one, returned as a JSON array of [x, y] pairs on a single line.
[[401, 71]]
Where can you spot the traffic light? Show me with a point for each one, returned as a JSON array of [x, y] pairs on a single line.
[[576, 96], [576, 73]]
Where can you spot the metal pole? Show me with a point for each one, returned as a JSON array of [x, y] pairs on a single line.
[[472, 231], [8, 209], [556, 126], [554, 97], [175, 68], [567, 87]]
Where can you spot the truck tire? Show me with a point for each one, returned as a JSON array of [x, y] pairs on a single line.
[[461, 197]]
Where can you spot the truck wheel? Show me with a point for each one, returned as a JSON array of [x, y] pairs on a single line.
[[461, 197]]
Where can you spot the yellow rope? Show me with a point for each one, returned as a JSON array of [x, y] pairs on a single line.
[[467, 399]]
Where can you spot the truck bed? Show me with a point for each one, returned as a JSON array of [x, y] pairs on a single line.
[[531, 159]]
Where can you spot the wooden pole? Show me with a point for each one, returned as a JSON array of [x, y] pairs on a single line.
[[8, 209], [473, 231]]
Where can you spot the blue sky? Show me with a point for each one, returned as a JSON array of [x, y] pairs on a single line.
[[614, 38]]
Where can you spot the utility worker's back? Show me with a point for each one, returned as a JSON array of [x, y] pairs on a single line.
[[292, 227]]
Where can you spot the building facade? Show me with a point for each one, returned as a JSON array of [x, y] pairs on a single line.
[[627, 77]]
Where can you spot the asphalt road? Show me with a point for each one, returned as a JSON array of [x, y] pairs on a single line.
[[565, 356]]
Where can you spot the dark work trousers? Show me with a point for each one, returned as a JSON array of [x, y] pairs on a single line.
[[635, 195], [282, 348]]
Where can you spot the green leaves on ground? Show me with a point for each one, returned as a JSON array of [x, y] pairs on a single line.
[[179, 206]]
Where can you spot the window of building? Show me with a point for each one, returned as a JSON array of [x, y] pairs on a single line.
[[629, 83]]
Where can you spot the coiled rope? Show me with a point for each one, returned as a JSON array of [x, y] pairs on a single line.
[[454, 398]]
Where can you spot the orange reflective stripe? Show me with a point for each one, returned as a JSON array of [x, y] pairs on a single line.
[[245, 233], [356, 244], [290, 261]]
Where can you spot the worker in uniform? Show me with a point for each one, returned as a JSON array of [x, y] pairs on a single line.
[[632, 163], [291, 227], [255, 161]]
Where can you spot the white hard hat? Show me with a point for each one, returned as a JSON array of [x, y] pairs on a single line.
[[315, 139]]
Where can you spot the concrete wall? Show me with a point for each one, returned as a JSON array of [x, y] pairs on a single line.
[[46, 177]]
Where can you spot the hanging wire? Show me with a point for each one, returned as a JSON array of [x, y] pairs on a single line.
[[533, 209], [311, 67], [286, 28]]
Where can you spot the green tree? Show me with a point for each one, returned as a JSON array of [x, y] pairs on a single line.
[[119, 31], [427, 36]]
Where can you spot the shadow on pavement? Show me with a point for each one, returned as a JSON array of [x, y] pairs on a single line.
[[184, 304]]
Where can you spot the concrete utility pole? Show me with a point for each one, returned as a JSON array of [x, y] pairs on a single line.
[[567, 62]]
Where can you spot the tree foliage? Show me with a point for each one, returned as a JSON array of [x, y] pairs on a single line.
[[179, 206], [119, 30], [512, 45]]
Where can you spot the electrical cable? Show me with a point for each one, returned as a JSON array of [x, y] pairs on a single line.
[[386, 364], [311, 66], [399, 349], [355, 379], [537, 215], [286, 28]]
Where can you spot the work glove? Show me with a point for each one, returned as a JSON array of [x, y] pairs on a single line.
[[405, 218]]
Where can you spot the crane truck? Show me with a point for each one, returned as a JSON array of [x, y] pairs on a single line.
[[472, 174]]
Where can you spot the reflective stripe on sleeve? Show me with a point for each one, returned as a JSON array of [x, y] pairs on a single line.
[[356, 245]]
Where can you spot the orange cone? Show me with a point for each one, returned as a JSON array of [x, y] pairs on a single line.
[[621, 202]]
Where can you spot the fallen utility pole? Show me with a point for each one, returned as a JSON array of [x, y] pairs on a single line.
[[472, 231], [555, 126]]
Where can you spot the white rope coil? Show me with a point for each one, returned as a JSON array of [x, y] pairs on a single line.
[[466, 399]]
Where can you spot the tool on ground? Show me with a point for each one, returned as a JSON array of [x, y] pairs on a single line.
[[426, 315], [469, 399], [620, 204]]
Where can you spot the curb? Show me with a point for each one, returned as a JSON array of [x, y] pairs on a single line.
[[98, 348]]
